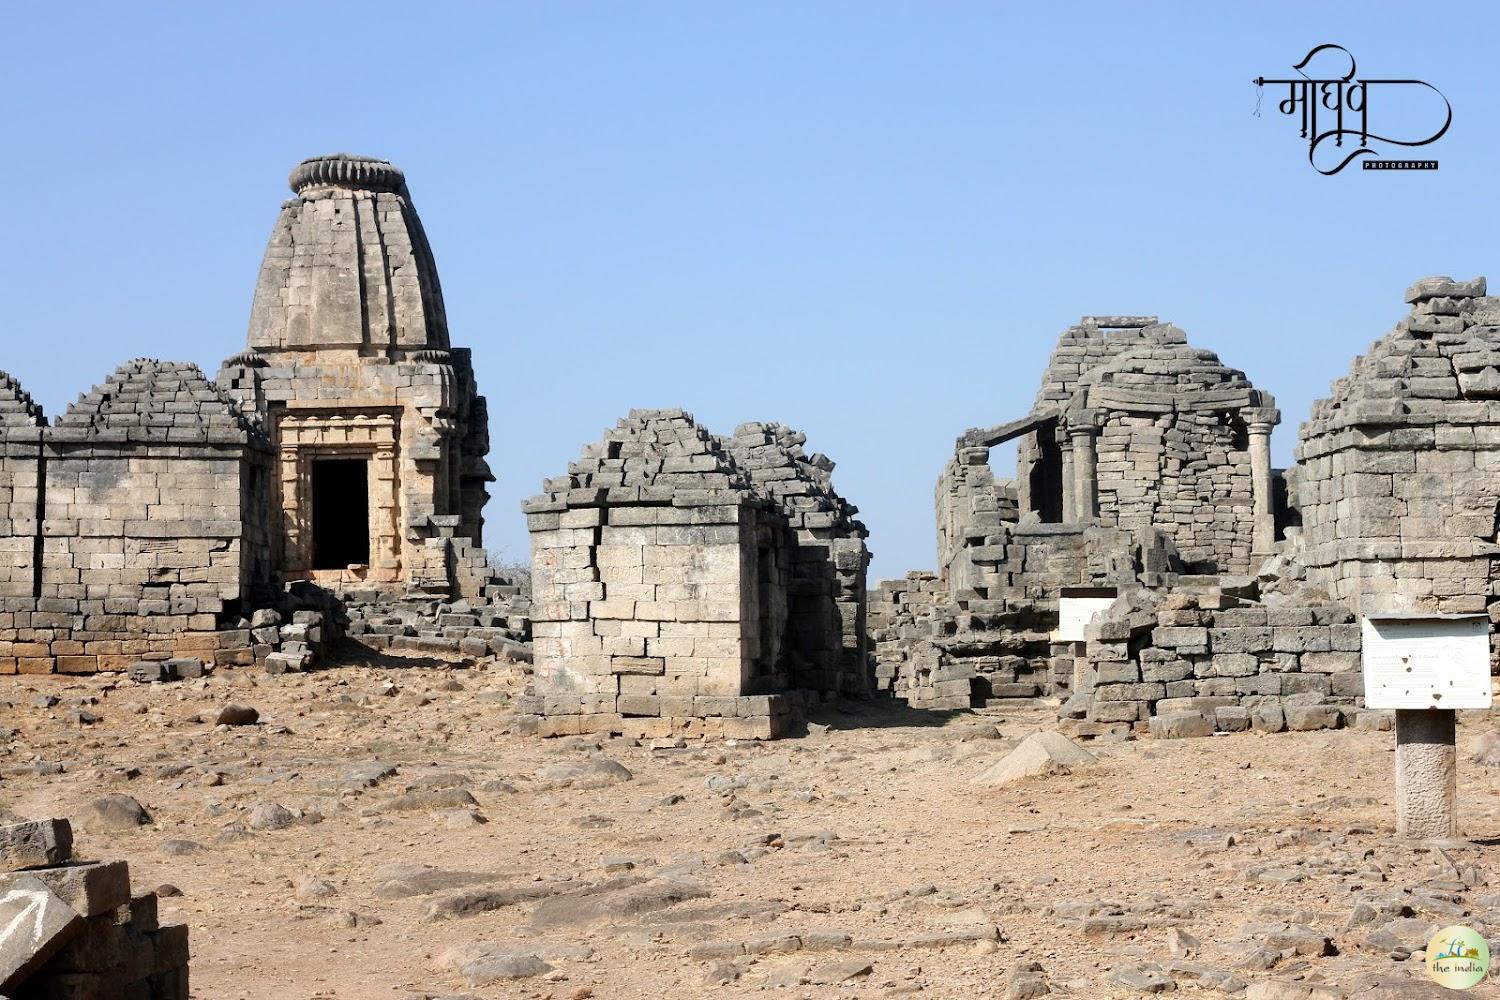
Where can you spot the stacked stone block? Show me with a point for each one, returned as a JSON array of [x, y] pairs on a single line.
[[826, 599], [1092, 342], [1168, 428], [1237, 664], [676, 592], [21, 424], [904, 617], [659, 583], [74, 929], [1397, 480], [149, 520]]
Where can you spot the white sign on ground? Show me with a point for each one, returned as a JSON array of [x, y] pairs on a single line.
[[1426, 661], [1076, 607]]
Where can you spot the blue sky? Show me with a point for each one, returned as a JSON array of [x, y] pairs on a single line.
[[867, 220]]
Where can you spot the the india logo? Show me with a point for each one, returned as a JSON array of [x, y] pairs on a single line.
[[1457, 957]]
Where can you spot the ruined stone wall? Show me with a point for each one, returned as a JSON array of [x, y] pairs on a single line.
[[145, 480], [1399, 469], [971, 506], [903, 615], [827, 642], [659, 585], [1092, 342], [21, 424], [150, 513], [1168, 427], [1236, 664], [1187, 473]]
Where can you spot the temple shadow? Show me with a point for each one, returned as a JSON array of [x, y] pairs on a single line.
[[875, 713], [350, 652]]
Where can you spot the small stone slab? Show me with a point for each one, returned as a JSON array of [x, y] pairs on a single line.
[[89, 887]]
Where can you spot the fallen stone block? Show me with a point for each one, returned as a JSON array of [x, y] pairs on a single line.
[[1180, 726], [35, 844], [90, 887], [1305, 718]]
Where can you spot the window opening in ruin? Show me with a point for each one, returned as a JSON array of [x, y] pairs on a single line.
[[340, 513], [1046, 477], [763, 599]]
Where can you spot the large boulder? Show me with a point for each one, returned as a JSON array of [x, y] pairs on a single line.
[[1048, 752]]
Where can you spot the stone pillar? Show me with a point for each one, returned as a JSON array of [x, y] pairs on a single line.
[[1066, 446], [1085, 476], [1426, 773], [1259, 423]]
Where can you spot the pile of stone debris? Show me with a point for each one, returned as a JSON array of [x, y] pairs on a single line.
[[72, 928]]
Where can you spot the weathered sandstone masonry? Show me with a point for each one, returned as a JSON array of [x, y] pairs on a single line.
[[143, 510], [1191, 664], [337, 463], [676, 591], [1398, 476], [1239, 592], [1144, 462], [348, 368]]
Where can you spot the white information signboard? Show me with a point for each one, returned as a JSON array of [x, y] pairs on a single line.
[[1426, 661], [1076, 607]]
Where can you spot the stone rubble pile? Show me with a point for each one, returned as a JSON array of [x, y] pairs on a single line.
[[74, 929], [1189, 665], [500, 625]]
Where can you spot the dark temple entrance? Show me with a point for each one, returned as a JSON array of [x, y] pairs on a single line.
[[340, 513]]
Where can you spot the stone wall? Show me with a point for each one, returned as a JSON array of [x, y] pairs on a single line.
[[1234, 663], [671, 584], [149, 522], [659, 580], [21, 424], [827, 643], [1090, 343], [1399, 469]]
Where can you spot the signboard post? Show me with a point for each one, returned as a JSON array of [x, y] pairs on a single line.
[[1076, 607], [1426, 667]]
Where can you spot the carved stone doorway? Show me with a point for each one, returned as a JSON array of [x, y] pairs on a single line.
[[341, 513]]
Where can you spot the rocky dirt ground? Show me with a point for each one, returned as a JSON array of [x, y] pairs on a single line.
[[377, 832]]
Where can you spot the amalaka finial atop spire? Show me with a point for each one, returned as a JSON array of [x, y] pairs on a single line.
[[344, 170]]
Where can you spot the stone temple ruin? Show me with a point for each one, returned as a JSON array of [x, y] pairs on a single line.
[[689, 584], [331, 481], [1144, 461], [1144, 477], [332, 477]]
